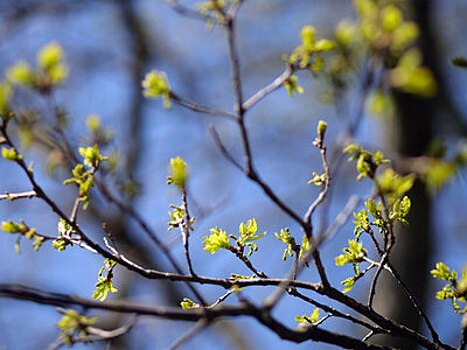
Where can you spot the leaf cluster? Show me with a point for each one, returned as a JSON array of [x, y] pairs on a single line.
[[218, 239], [104, 285], [74, 324], [24, 231], [50, 72], [455, 289], [367, 162], [155, 85]]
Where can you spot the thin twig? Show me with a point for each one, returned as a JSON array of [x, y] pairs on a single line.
[[221, 298], [195, 330], [14, 196], [97, 334], [222, 148], [185, 229], [259, 95], [200, 108], [368, 336]]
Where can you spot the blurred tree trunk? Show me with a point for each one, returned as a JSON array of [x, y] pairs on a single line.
[[410, 133]]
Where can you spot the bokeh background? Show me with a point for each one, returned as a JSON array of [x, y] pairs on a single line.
[[109, 46]]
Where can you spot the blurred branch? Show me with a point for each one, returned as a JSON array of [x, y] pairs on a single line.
[[310, 333]]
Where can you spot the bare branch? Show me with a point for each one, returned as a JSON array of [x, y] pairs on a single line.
[[277, 83], [195, 330], [200, 108], [15, 196]]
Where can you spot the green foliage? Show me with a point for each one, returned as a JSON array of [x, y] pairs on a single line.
[[286, 238], [82, 178], [410, 77], [50, 59], [216, 240], [291, 86], [65, 235], [306, 247], [383, 27], [248, 232], [155, 85], [51, 70], [310, 48], [104, 285], [178, 216], [11, 154], [438, 173], [393, 185], [92, 157], [318, 180], [455, 290], [353, 254], [381, 104], [73, 324], [362, 223], [349, 283], [321, 129], [219, 239], [367, 162], [178, 173], [236, 276], [400, 209], [188, 304], [6, 94], [312, 319], [23, 230], [22, 74]]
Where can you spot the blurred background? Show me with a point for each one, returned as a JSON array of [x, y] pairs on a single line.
[[109, 46]]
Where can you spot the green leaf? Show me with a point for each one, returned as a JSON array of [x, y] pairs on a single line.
[[236, 276], [104, 285], [93, 123], [155, 85], [50, 59], [442, 272], [21, 73], [178, 173], [73, 324], [392, 17], [11, 154], [291, 86], [50, 55], [353, 254], [216, 240], [312, 319], [248, 232], [409, 76], [12, 227], [349, 284], [6, 94], [188, 304], [324, 45], [438, 173], [392, 184], [92, 157]]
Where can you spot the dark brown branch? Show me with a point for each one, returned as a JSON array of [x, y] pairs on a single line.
[[196, 314]]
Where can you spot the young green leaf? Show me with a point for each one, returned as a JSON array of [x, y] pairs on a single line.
[[216, 240]]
